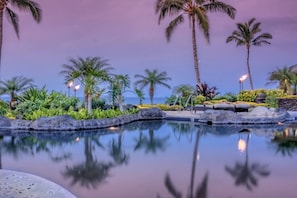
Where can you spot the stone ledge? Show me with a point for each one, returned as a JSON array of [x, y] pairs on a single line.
[[67, 123]]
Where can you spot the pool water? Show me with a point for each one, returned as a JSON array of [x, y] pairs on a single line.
[[161, 159]]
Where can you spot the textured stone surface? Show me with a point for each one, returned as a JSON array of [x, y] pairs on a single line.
[[288, 104], [259, 115], [4, 122], [22, 185], [67, 123]]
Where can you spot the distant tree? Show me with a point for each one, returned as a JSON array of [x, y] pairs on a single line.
[[15, 86], [197, 13], [140, 95], [22, 5], [248, 34], [183, 90], [90, 72], [283, 76], [152, 79], [118, 84]]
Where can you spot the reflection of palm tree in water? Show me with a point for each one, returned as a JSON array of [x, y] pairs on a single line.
[[1, 137], [117, 153], [243, 173], [91, 172], [285, 142], [151, 144], [201, 191]]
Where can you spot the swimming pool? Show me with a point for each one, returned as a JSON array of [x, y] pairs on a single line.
[[161, 159]]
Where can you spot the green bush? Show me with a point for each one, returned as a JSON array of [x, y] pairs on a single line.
[[98, 103], [199, 99], [4, 108], [230, 97], [271, 96]]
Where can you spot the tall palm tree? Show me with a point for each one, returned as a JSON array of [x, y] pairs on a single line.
[[248, 34], [283, 76], [152, 79], [90, 72], [15, 86], [197, 12], [22, 5]]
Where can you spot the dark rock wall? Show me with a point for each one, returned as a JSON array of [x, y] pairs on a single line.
[[288, 104]]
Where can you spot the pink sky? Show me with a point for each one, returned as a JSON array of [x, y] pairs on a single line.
[[127, 33]]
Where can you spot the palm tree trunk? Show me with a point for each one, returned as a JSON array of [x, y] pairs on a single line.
[[90, 104], [248, 67], [151, 92], [121, 103], [86, 98], [195, 53]]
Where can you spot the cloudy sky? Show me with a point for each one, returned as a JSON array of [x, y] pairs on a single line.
[[128, 35]]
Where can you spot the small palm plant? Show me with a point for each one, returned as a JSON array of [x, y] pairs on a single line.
[[206, 91], [15, 86]]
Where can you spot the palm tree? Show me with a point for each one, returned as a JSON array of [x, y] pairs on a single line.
[[152, 79], [118, 84], [90, 72], [183, 90], [197, 11], [248, 34], [22, 5], [15, 86], [283, 76]]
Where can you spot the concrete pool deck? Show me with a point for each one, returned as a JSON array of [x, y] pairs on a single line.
[[15, 184]]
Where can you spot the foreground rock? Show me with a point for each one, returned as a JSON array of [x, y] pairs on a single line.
[[259, 115], [66, 122]]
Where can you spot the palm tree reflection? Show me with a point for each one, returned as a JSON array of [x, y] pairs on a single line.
[[285, 142], [89, 173], [244, 173], [152, 143], [201, 190], [117, 153]]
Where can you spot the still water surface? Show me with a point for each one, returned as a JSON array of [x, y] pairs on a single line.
[[162, 159]]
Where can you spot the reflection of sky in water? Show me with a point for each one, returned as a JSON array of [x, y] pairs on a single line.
[[141, 172]]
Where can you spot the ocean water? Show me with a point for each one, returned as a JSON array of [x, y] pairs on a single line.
[[135, 100]]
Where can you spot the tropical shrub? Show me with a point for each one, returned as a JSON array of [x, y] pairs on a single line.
[[271, 96], [40, 102], [199, 99], [230, 97], [208, 92], [98, 103], [4, 108]]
